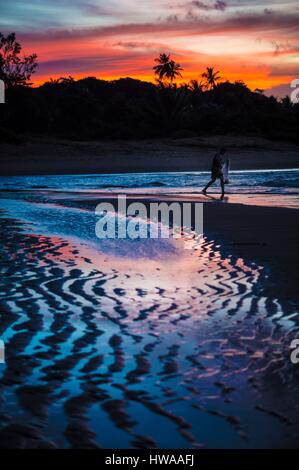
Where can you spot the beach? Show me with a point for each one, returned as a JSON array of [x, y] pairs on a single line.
[[149, 201], [42, 155], [148, 343]]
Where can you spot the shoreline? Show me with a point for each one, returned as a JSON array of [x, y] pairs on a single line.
[[266, 235], [260, 234], [279, 201], [42, 156]]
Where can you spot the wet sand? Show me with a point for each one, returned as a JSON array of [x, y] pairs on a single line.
[[260, 233], [136, 344]]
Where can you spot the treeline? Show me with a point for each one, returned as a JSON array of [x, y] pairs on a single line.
[[133, 109]]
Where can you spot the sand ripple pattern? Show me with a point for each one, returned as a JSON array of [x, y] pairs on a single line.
[[100, 353]]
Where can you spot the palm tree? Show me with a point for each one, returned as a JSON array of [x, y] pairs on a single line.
[[57, 81], [167, 68], [211, 77], [196, 89], [195, 86], [52, 81], [167, 111]]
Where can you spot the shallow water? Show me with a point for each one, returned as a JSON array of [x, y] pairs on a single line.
[[241, 182], [136, 343]]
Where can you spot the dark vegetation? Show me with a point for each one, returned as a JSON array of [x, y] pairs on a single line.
[[132, 109]]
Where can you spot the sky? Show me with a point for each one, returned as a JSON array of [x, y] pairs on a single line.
[[254, 41]]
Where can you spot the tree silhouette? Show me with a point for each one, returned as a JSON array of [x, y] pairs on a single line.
[[60, 81], [167, 68], [196, 89], [91, 109], [195, 86], [15, 70], [52, 81], [211, 77]]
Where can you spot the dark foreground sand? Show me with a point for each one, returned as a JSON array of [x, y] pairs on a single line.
[[45, 156]]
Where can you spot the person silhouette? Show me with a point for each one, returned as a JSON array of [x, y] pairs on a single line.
[[219, 170]]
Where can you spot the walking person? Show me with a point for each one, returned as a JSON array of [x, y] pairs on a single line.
[[220, 167]]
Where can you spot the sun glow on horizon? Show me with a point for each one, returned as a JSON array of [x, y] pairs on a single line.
[[256, 42]]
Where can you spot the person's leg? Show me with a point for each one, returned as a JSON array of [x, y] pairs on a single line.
[[208, 185], [222, 186]]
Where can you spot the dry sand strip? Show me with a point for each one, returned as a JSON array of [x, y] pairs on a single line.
[[37, 156]]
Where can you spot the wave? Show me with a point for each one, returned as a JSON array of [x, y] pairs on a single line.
[[147, 184], [281, 183]]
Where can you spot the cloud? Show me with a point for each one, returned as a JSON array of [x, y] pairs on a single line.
[[218, 5], [280, 47], [121, 37], [140, 45], [243, 23], [279, 91]]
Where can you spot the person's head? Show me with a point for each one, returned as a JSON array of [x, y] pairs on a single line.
[[222, 151]]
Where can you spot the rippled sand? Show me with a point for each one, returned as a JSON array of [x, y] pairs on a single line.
[[141, 345]]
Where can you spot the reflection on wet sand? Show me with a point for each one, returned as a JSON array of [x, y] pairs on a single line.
[[178, 348]]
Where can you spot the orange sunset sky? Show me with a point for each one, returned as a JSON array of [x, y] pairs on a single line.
[[254, 41]]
